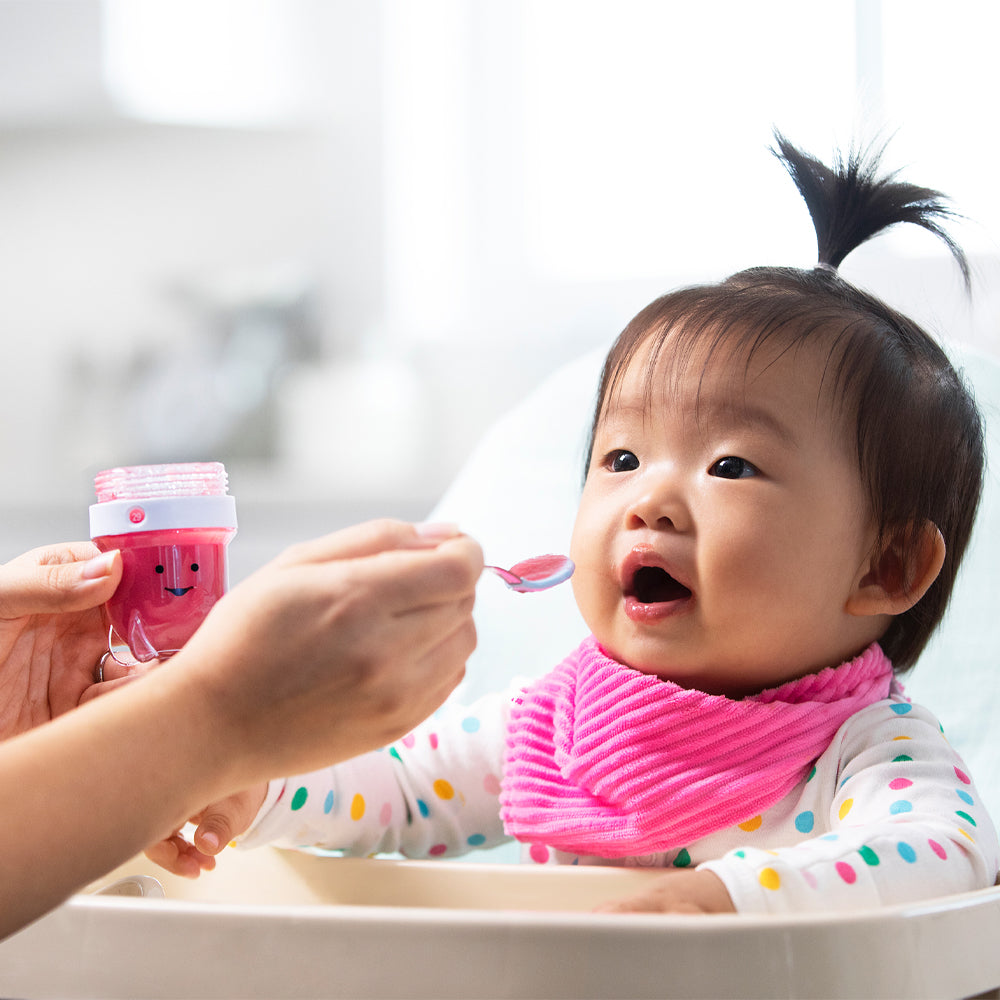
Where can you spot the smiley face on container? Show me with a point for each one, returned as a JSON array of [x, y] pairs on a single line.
[[170, 581], [176, 572]]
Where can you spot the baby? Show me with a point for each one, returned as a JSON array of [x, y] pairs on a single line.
[[782, 479]]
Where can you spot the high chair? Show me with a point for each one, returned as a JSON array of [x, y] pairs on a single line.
[[282, 924]]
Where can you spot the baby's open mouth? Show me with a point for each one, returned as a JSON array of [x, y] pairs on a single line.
[[652, 585]]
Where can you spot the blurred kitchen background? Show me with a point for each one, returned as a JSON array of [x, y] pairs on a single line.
[[328, 242]]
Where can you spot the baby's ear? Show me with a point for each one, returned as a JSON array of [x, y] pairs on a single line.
[[899, 573]]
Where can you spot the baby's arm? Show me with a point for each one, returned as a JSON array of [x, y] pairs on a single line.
[[902, 821], [432, 794]]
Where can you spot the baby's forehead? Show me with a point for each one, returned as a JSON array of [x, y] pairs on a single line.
[[723, 374], [776, 385]]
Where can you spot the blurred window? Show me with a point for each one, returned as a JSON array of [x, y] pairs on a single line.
[[535, 146]]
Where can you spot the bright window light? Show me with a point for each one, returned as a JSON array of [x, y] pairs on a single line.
[[940, 74], [208, 62], [647, 126], [427, 176]]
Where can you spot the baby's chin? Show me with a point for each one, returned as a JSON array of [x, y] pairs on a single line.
[[711, 679], [734, 672], [642, 660]]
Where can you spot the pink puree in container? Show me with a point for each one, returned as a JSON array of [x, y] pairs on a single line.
[[172, 524]]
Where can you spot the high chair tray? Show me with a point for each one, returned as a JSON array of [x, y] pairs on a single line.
[[276, 924]]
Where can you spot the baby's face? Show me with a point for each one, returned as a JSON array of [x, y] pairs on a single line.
[[723, 524]]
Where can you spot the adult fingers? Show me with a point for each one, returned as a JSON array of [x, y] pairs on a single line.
[[367, 539], [382, 599], [429, 630], [115, 675], [451, 571], [428, 680], [382, 702], [48, 580], [407, 580], [455, 648]]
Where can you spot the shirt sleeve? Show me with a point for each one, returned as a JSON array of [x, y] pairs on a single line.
[[903, 821], [435, 793]]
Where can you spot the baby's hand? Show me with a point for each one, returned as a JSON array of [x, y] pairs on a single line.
[[217, 825], [678, 891]]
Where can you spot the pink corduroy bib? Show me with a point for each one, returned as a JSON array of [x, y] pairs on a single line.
[[607, 761]]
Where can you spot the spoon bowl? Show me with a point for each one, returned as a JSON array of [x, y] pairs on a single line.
[[537, 573]]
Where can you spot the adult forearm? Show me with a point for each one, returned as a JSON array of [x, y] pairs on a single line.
[[89, 790]]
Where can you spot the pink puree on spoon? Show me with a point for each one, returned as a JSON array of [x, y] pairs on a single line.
[[536, 573]]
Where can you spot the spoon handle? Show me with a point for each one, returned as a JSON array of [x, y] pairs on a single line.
[[504, 574]]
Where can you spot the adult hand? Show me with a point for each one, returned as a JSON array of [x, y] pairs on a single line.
[[52, 630], [338, 646]]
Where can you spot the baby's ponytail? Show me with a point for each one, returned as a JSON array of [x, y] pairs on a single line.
[[850, 203]]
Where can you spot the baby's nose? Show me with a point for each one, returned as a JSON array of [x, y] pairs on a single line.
[[658, 505]]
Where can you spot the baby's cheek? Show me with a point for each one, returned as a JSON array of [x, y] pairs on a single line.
[[597, 596]]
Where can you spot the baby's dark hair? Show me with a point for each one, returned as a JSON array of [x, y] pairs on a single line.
[[917, 431]]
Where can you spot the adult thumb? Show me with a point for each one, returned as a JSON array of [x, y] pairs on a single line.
[[30, 586]]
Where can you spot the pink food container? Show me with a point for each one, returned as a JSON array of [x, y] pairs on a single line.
[[172, 524]]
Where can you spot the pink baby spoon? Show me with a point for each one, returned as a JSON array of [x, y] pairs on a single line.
[[537, 573]]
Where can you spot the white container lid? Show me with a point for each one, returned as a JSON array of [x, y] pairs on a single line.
[[123, 517]]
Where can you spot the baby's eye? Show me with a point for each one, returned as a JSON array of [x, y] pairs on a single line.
[[622, 461], [732, 467]]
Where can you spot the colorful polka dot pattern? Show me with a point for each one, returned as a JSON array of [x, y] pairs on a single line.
[[539, 853], [906, 850], [361, 808], [769, 879]]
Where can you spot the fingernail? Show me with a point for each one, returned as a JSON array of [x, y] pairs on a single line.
[[209, 842], [437, 530], [99, 566]]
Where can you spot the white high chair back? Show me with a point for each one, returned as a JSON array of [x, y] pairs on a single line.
[[958, 677]]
